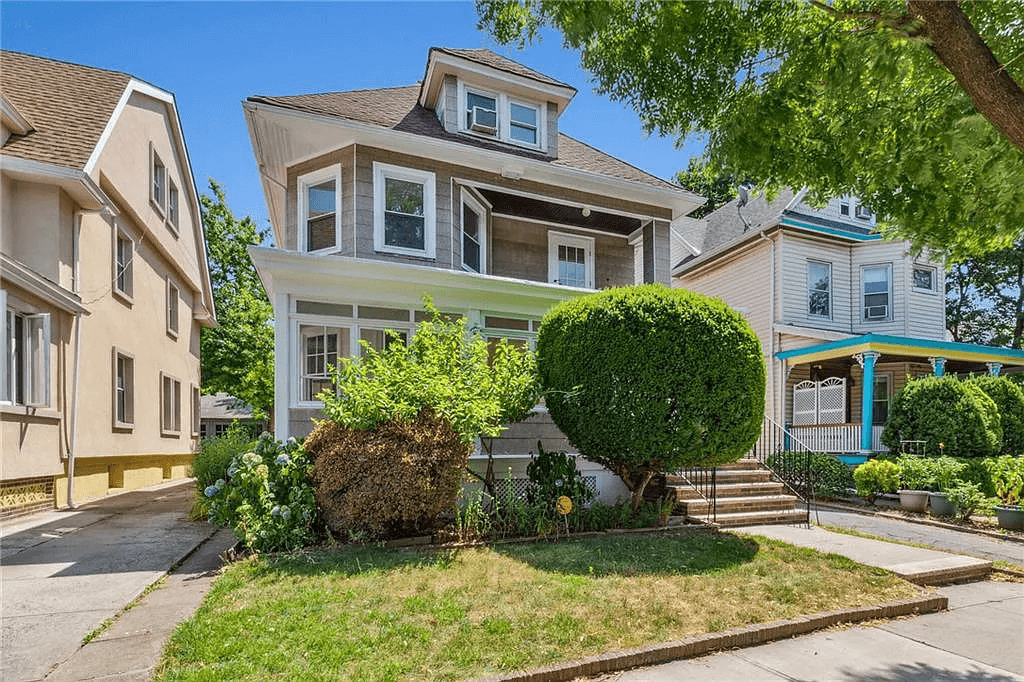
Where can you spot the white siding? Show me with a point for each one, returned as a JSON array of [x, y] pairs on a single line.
[[881, 253], [926, 314], [797, 250]]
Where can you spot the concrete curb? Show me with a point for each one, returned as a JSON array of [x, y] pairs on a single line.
[[921, 522], [700, 645]]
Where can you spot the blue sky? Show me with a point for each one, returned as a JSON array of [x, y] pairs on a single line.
[[214, 55]]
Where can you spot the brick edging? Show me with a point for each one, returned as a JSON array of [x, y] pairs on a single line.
[[712, 642], [921, 522]]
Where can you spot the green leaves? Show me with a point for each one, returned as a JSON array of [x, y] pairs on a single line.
[[838, 96]]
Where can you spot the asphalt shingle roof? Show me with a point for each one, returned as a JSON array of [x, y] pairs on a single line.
[[495, 60], [68, 105], [399, 109]]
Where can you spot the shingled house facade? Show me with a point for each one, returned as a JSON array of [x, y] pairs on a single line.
[[461, 187]]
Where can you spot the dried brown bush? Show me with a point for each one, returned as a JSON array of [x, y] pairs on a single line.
[[391, 480]]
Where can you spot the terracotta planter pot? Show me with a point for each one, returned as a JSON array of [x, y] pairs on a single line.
[[1011, 518], [940, 504], [914, 500]]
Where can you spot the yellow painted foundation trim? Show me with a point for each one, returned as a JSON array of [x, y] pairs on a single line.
[[99, 476]]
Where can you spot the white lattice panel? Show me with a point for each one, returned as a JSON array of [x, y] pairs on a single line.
[[832, 401], [805, 403]]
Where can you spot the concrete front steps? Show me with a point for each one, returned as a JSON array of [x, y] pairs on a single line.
[[747, 494]]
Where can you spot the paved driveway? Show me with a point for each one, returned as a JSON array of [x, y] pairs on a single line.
[[64, 573]]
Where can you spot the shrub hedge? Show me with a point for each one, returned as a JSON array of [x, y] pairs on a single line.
[[830, 476], [1009, 400], [876, 476], [953, 417], [648, 379]]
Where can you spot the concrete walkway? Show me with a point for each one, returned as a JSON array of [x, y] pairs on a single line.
[[64, 573], [921, 566], [978, 638], [945, 539]]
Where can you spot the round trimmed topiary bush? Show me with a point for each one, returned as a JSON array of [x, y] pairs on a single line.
[[953, 417], [1009, 400], [647, 379]]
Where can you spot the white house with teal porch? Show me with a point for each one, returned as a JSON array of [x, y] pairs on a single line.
[[845, 317]]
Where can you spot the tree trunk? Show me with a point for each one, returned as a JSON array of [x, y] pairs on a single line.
[[965, 54]]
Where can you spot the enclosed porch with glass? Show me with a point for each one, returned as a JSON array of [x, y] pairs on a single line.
[[838, 393]]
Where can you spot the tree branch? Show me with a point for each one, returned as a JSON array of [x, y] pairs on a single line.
[[958, 47]]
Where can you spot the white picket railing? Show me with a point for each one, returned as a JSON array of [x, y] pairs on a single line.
[[837, 437]]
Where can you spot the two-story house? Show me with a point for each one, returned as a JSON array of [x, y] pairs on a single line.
[[461, 187], [844, 315], [103, 285]]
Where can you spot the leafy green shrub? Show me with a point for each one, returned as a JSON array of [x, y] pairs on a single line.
[[215, 454], [648, 379], [391, 480], [953, 417], [1007, 478], [267, 497], [553, 474], [874, 477], [830, 476], [1009, 400], [966, 497]]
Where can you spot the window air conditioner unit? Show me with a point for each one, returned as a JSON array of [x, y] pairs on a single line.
[[876, 312], [484, 120], [864, 213]]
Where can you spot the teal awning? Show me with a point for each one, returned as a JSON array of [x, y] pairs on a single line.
[[904, 346]]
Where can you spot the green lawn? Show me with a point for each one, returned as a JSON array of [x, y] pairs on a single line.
[[372, 614]]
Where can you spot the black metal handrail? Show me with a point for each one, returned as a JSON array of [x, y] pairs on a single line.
[[704, 481], [788, 458]]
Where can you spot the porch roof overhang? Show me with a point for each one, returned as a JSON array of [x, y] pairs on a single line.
[[903, 347]]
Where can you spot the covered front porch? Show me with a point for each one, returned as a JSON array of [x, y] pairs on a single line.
[[838, 393]]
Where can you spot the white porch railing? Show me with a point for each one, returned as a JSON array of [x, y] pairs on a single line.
[[837, 438]]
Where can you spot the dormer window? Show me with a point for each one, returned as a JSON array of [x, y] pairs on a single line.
[[481, 113], [500, 116], [523, 123]]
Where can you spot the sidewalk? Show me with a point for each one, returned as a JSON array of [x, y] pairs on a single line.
[[64, 573]]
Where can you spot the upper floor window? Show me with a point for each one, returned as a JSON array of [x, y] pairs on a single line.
[[481, 113], [172, 308], [320, 209], [497, 115], [819, 289], [25, 376], [158, 180], [523, 123], [877, 289], [124, 254], [172, 207], [474, 218], [571, 260], [403, 216], [924, 278], [844, 208]]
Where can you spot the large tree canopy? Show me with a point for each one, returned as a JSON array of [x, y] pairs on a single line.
[[237, 354], [985, 298], [916, 107]]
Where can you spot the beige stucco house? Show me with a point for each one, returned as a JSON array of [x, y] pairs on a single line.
[[837, 307], [103, 285], [462, 187]]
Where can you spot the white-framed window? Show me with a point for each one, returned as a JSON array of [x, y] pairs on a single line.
[[571, 260], [320, 346], [524, 123], [26, 364], [319, 205], [880, 399], [474, 234], [404, 218], [844, 208], [157, 180], [925, 278], [195, 410], [172, 207], [123, 389], [819, 289], [497, 115], [173, 301], [876, 286], [124, 257], [170, 405], [382, 338]]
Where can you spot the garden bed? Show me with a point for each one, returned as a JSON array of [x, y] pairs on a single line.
[[364, 612]]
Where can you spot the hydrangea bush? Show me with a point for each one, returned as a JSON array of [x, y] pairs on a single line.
[[267, 498]]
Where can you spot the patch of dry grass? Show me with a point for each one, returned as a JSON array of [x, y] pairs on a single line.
[[368, 613]]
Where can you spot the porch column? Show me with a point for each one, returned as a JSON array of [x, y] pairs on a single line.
[[938, 366], [994, 368], [867, 402]]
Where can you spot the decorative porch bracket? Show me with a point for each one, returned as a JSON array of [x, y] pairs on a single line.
[[938, 366], [994, 368], [867, 403]]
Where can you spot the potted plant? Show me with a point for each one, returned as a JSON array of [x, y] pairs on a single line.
[[965, 499], [946, 473], [916, 481], [1008, 479]]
